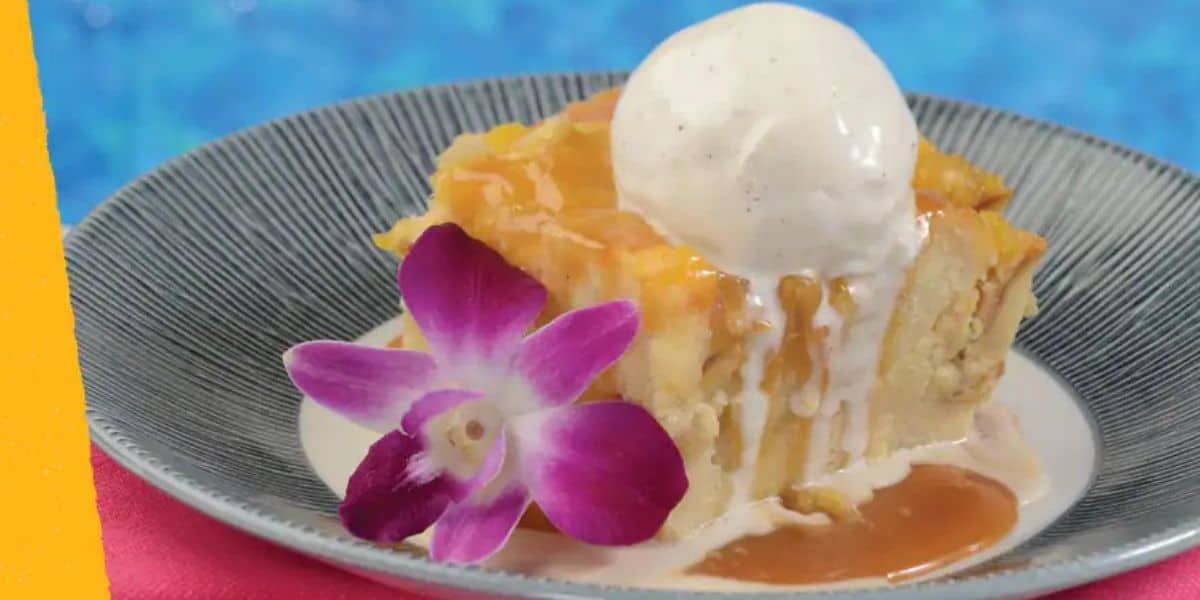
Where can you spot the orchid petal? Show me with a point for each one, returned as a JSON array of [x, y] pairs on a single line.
[[471, 531], [386, 501], [372, 386], [560, 359], [605, 473], [434, 404], [468, 302]]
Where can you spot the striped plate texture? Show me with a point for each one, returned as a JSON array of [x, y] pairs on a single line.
[[189, 283]]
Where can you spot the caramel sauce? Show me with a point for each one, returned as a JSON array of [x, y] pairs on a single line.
[[936, 516], [960, 182], [534, 519]]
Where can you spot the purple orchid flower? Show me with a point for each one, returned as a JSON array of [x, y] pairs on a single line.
[[484, 424]]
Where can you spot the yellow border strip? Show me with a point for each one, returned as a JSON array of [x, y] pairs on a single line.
[[49, 530]]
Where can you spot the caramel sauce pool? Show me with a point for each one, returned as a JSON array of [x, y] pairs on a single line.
[[936, 516]]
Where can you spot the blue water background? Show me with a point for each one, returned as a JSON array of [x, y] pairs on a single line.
[[128, 84]]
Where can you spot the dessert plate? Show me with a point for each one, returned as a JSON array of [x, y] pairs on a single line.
[[189, 284]]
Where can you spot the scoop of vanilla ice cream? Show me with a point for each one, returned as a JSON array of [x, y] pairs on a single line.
[[772, 140]]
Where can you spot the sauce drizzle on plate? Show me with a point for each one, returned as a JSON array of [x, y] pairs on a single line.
[[935, 516]]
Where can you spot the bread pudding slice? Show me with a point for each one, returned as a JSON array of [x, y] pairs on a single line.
[[543, 196]]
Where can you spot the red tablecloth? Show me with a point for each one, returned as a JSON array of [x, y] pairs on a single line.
[[159, 549]]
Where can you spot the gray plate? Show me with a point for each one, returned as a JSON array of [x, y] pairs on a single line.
[[190, 282]]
